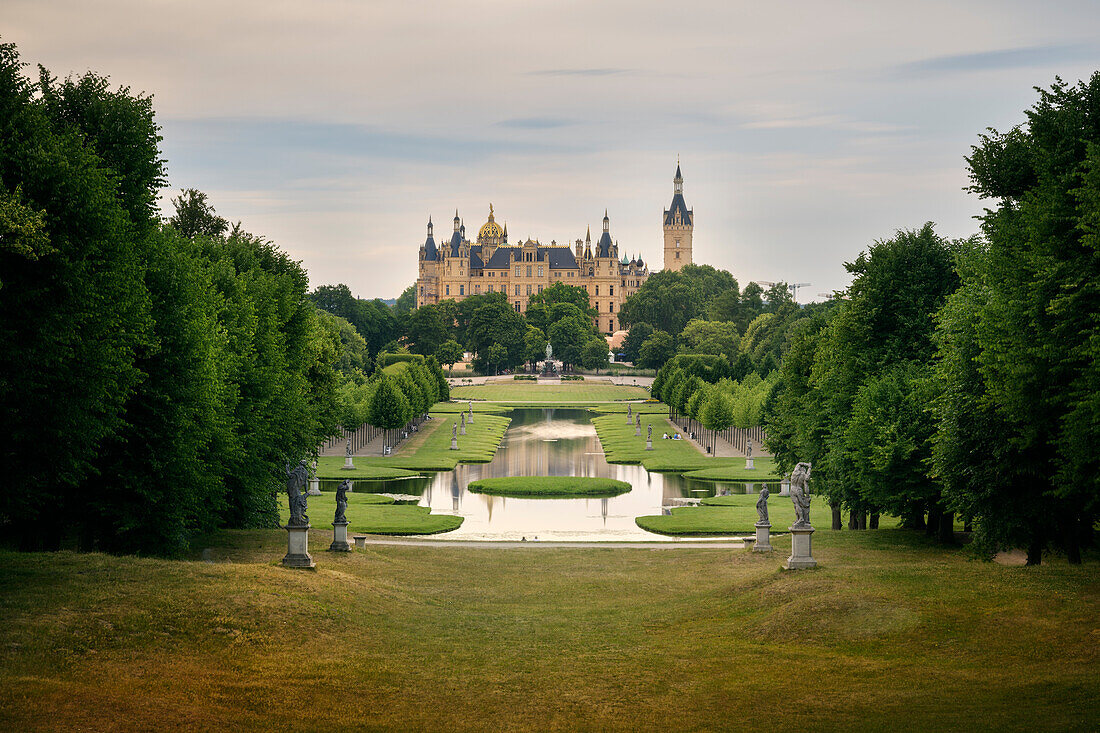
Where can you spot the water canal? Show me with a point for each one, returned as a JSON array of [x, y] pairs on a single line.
[[551, 442]]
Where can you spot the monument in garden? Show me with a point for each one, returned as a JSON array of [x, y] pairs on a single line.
[[340, 521], [763, 525], [314, 482], [637, 426], [297, 553], [454, 436], [748, 459], [548, 365], [349, 465], [801, 531], [470, 405], [629, 415], [462, 423], [649, 437]]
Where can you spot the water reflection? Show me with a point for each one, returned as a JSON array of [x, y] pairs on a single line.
[[554, 442]]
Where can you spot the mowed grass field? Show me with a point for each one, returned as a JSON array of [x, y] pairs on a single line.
[[536, 394], [373, 514], [890, 633]]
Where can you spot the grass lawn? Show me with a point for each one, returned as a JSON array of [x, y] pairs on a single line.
[[430, 449], [549, 394], [891, 632], [620, 445], [332, 467], [373, 514], [549, 486], [736, 514], [764, 470]]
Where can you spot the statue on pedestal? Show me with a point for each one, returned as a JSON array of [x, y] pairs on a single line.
[[296, 480], [347, 449], [749, 454], [800, 494], [762, 505], [649, 432], [342, 501], [454, 431]]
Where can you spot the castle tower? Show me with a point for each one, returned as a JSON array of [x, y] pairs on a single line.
[[679, 222]]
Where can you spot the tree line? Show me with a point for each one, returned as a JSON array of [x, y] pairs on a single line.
[[157, 376]]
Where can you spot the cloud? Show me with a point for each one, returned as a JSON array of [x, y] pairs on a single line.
[[1008, 58], [609, 71], [536, 123]]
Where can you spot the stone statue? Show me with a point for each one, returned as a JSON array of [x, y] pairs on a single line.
[[638, 420], [549, 351], [762, 505], [342, 501], [800, 494], [454, 431], [347, 449], [296, 493], [649, 432], [750, 448]]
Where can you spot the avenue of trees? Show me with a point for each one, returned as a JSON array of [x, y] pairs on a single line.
[[157, 377]]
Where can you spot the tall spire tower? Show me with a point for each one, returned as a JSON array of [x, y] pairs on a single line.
[[679, 222]]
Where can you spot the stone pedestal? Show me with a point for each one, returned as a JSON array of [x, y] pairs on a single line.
[[462, 429], [454, 443], [360, 541], [297, 552], [348, 464], [649, 445], [748, 464], [801, 551], [637, 431], [340, 537], [763, 537], [314, 487]]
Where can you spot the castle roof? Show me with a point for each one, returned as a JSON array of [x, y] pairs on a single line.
[[558, 258], [678, 206]]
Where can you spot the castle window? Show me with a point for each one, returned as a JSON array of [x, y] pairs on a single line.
[[477, 288], [517, 270], [490, 287], [591, 271], [540, 288], [528, 271], [677, 244], [540, 270], [528, 289], [421, 289], [610, 289], [461, 289], [611, 325], [677, 255], [611, 307], [448, 290], [597, 290], [517, 290], [517, 305]]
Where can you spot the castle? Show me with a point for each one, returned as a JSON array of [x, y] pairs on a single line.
[[458, 268]]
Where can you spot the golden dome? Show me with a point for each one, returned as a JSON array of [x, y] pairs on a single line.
[[490, 229]]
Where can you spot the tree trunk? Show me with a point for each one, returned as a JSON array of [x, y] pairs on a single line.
[[838, 520], [947, 528], [1071, 540], [1035, 552], [863, 520], [873, 521], [934, 513], [853, 520]]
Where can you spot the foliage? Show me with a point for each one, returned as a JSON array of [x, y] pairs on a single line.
[[635, 337], [669, 299], [709, 337], [449, 352], [389, 408], [595, 354], [195, 216], [658, 348]]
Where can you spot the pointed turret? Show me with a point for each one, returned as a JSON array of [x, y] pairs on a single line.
[[603, 248], [679, 224], [431, 254]]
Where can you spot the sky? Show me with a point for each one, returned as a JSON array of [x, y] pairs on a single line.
[[806, 131]]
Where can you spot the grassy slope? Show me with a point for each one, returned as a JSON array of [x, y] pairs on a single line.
[[529, 392], [891, 632], [549, 486], [620, 445]]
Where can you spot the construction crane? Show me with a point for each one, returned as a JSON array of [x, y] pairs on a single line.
[[793, 287]]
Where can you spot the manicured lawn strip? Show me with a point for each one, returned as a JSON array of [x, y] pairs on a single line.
[[549, 486], [733, 515], [621, 407], [430, 449], [332, 467], [550, 639], [479, 407], [620, 445], [764, 470], [527, 392], [374, 514]]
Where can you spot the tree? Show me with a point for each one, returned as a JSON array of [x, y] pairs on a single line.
[[1032, 334], [406, 302], [449, 352], [497, 323], [496, 357], [716, 414], [195, 216], [426, 330], [656, 350], [534, 345], [635, 337], [595, 354], [709, 337], [569, 334], [389, 408], [559, 292]]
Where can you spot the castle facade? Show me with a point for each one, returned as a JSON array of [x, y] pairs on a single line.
[[458, 268]]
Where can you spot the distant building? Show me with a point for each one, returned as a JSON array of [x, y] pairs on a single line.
[[679, 223], [458, 268]]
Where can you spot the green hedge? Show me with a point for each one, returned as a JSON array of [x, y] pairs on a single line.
[[384, 360]]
